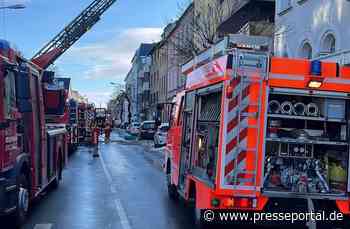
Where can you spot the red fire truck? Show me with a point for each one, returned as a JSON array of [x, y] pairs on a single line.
[[256, 133], [33, 151], [72, 126], [33, 138]]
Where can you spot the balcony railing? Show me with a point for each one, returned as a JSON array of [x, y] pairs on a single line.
[[342, 57]]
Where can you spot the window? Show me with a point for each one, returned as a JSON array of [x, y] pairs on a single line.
[[283, 6], [328, 44], [10, 93], [306, 51]]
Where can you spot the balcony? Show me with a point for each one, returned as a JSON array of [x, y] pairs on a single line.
[[258, 28]]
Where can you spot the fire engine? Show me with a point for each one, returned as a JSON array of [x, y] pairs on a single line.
[[252, 132], [72, 126], [86, 116], [33, 139], [100, 117]]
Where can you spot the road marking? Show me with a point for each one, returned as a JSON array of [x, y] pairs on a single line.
[[107, 173], [43, 226], [124, 221]]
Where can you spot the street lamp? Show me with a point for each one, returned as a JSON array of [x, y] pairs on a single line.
[[14, 7]]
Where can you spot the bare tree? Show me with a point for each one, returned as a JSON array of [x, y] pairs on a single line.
[[192, 36], [118, 97]]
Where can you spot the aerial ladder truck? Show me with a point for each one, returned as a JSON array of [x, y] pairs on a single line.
[[33, 136]]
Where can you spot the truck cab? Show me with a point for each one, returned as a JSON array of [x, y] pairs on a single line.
[[251, 132], [32, 152]]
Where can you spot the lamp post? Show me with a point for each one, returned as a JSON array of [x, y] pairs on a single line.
[[10, 7], [13, 7]]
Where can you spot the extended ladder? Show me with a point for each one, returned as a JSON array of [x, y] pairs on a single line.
[[71, 33]]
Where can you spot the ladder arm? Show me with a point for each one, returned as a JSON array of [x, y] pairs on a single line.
[[71, 33]]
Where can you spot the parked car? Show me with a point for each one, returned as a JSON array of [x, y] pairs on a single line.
[[147, 130], [125, 125], [134, 128], [160, 137]]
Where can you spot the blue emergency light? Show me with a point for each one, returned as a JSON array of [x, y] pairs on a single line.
[[316, 68]]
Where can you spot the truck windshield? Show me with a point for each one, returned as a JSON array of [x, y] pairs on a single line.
[[10, 93]]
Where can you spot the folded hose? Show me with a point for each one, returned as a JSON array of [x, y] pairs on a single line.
[[299, 109], [312, 110], [287, 108], [274, 107]]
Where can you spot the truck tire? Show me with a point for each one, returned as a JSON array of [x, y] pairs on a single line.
[[23, 201], [198, 222], [346, 222], [172, 190]]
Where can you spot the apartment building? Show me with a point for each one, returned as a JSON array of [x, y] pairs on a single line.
[[168, 56], [313, 29], [137, 83], [216, 19]]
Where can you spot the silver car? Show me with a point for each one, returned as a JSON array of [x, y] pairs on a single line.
[[160, 137]]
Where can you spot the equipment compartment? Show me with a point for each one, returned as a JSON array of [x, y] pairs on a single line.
[[307, 145]]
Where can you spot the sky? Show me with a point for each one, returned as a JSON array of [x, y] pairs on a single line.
[[101, 56]]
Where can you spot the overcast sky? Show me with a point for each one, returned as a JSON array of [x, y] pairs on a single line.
[[104, 53]]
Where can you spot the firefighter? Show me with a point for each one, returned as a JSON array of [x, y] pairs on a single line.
[[95, 138]]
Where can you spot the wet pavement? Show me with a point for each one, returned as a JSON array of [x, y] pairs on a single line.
[[124, 189]]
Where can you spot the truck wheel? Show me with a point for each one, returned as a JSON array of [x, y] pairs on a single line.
[[172, 191], [22, 200], [346, 222], [197, 218]]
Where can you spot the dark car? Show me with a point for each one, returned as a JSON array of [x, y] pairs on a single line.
[[147, 130]]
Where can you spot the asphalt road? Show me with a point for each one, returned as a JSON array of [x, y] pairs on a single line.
[[123, 189]]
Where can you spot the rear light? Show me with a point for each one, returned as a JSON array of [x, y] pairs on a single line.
[[239, 203], [229, 203], [244, 203]]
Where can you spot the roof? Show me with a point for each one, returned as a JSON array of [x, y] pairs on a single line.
[[174, 27], [145, 49]]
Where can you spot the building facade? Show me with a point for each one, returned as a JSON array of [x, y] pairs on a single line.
[[137, 83], [313, 29], [158, 77], [179, 50], [216, 19], [131, 90], [168, 56]]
